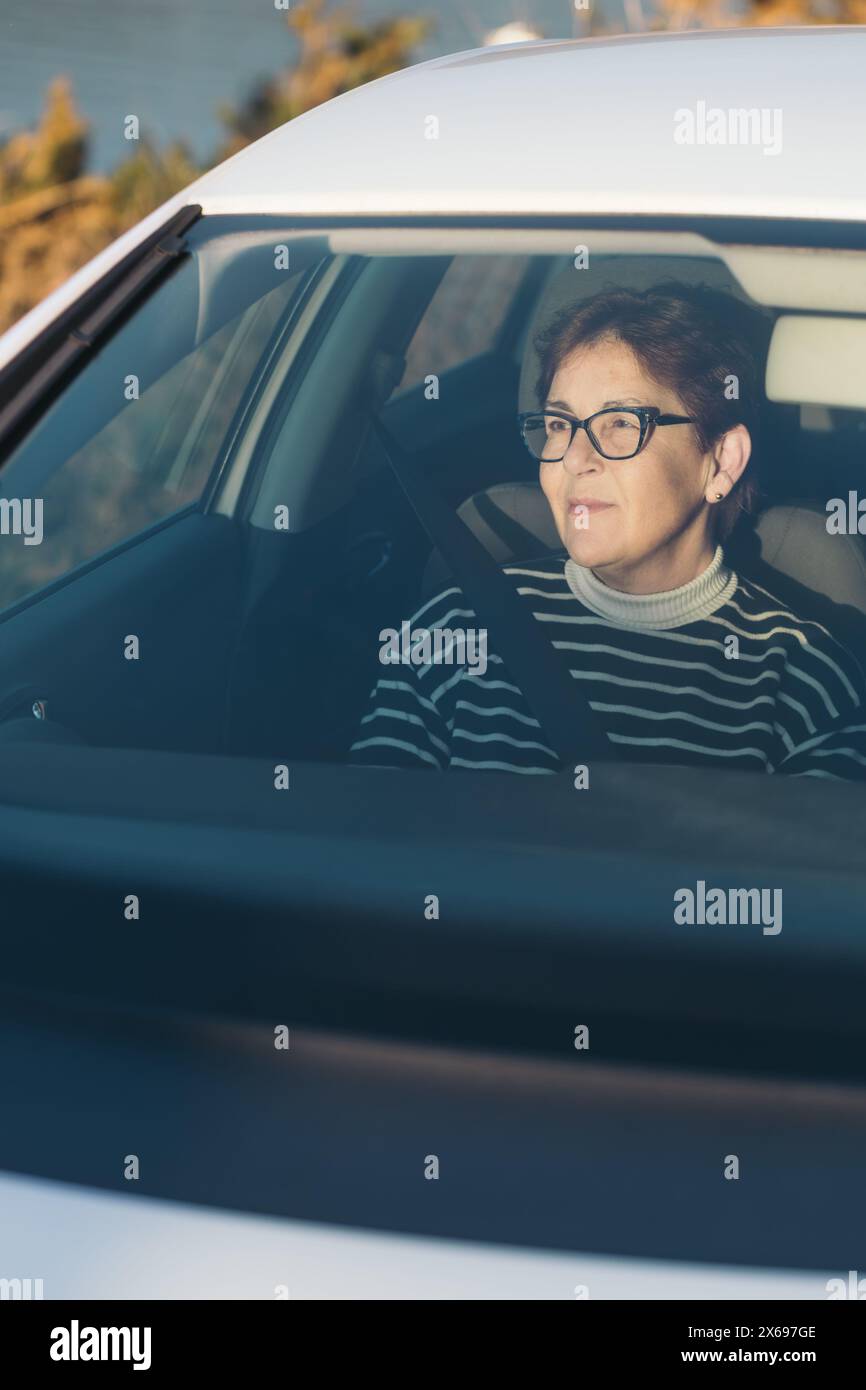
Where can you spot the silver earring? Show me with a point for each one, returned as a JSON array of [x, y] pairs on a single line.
[[719, 496]]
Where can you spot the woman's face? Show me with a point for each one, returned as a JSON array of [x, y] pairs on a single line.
[[639, 523]]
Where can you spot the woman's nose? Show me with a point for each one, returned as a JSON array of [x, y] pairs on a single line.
[[580, 456]]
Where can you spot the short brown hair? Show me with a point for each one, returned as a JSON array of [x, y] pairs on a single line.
[[691, 338]]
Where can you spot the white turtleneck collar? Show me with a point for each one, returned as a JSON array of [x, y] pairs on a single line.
[[670, 608]]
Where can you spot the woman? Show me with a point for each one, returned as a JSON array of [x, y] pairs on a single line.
[[648, 405]]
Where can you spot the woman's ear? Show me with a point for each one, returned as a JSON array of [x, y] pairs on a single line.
[[730, 455]]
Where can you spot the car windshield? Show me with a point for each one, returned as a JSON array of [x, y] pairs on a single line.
[[477, 501]]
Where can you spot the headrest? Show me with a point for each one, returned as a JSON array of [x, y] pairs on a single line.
[[616, 272]]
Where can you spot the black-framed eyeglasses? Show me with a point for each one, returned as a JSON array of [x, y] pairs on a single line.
[[615, 433]]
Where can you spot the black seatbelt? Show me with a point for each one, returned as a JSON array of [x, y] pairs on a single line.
[[567, 719]]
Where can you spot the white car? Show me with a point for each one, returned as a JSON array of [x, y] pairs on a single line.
[[286, 1027]]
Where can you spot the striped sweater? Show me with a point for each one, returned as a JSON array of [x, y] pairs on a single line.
[[717, 673]]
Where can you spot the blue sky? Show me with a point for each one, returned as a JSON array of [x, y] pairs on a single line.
[[173, 62]]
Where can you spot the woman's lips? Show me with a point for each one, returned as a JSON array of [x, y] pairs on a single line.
[[587, 504]]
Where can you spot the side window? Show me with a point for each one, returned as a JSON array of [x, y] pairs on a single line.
[[464, 316], [134, 436]]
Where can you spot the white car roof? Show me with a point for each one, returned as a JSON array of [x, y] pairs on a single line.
[[582, 126], [573, 127]]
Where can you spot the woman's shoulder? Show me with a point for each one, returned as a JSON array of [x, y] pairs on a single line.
[[761, 604], [774, 617]]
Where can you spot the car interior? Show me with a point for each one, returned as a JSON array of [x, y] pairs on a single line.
[[261, 641], [471, 448]]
